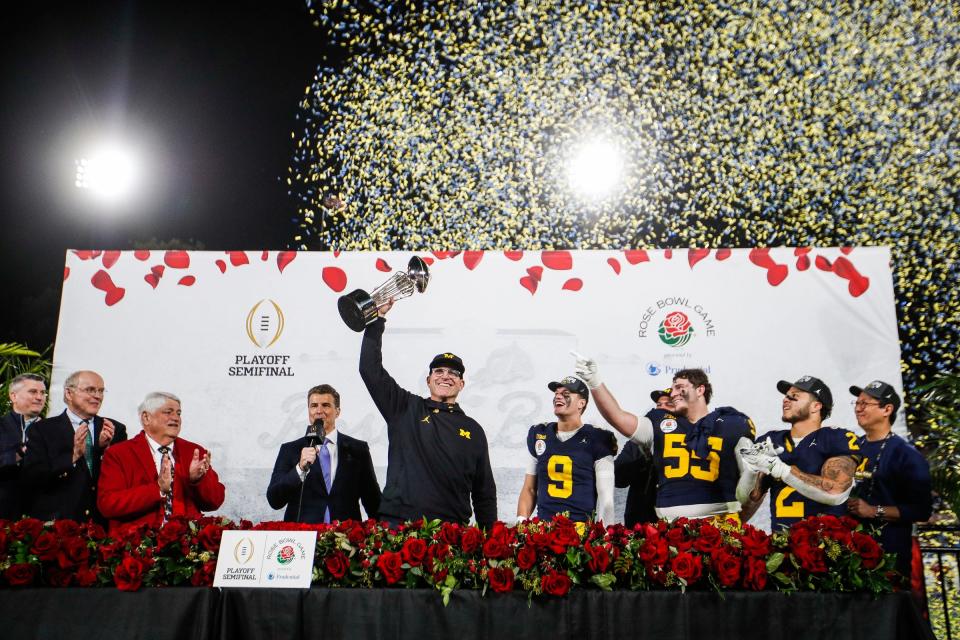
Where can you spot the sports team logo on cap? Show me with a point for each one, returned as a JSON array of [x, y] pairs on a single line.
[[668, 426], [676, 329], [876, 384]]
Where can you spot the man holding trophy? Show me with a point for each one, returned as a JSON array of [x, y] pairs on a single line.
[[437, 459]]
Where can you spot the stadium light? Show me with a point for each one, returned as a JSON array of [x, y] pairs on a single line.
[[595, 168], [110, 172]]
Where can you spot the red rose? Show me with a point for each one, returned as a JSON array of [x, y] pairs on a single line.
[[811, 558], [687, 567], [27, 527], [653, 552], [709, 539], [94, 530], [539, 540], [676, 324], [438, 551], [209, 537], [128, 575], [337, 564], [726, 567], [678, 539], [66, 528], [4, 540], [21, 574], [599, 558], [356, 535], [526, 557], [867, 548], [110, 551], [390, 565], [503, 533], [73, 552], [59, 577], [171, 532], [756, 543], [834, 528], [501, 579], [86, 577], [414, 551], [45, 547], [203, 576], [495, 548], [564, 537], [555, 583], [449, 533], [471, 539], [756, 574]]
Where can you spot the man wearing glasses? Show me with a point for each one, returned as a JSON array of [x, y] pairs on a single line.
[[894, 491], [437, 459], [28, 395], [695, 450], [62, 463], [807, 468]]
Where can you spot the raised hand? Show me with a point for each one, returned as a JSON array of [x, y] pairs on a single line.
[[199, 466], [587, 370], [106, 434]]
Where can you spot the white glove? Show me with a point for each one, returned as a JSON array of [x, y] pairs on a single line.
[[770, 465], [587, 370]]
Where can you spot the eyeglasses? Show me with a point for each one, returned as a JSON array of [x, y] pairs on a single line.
[[91, 391], [443, 371], [860, 404]]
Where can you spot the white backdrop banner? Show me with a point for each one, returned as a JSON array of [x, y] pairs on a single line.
[[240, 337]]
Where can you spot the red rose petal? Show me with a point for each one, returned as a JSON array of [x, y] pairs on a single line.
[[177, 259], [142, 255], [614, 264], [530, 284], [668, 254], [636, 256], [803, 263], [157, 270], [264, 256], [823, 264], [86, 255], [382, 265], [858, 283], [110, 258], [472, 258], [443, 255], [801, 251], [221, 265], [513, 255], [723, 254], [152, 280], [696, 255], [335, 278], [846, 250], [557, 260], [238, 258], [336, 253], [428, 259], [776, 273], [536, 273], [284, 258], [114, 296], [66, 273], [102, 280], [187, 281], [573, 284]]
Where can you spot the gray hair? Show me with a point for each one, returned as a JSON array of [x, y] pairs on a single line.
[[156, 399], [73, 379], [18, 381]]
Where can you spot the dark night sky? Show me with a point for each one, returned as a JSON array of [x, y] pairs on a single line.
[[212, 86]]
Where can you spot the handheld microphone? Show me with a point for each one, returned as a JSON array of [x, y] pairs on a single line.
[[313, 437]]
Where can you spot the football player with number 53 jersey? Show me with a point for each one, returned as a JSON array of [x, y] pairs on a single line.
[[807, 468], [695, 450], [571, 463]]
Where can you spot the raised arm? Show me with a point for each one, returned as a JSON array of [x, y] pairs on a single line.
[[390, 398], [636, 428]]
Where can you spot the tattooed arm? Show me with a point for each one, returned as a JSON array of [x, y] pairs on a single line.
[[833, 484]]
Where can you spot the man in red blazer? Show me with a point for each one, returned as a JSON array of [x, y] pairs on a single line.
[[157, 474]]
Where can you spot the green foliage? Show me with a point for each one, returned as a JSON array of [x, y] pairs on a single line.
[[16, 359], [941, 443]]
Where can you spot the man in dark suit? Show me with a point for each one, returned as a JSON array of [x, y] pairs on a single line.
[[332, 477], [62, 462], [28, 395], [157, 474]]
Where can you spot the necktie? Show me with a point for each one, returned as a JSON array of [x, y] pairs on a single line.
[[167, 498], [325, 468], [88, 447]]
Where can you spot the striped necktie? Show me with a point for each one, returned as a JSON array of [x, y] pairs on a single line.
[[167, 498], [88, 447]]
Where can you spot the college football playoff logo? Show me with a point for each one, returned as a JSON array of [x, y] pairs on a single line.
[[265, 323], [676, 329], [243, 551]]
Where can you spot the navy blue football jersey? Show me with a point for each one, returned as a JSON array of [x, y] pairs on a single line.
[[787, 505], [566, 481], [697, 463]]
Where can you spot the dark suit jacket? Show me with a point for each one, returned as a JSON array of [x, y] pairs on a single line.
[[634, 468], [11, 437], [129, 493], [55, 486], [354, 482]]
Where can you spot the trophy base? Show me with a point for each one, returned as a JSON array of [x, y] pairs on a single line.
[[357, 309]]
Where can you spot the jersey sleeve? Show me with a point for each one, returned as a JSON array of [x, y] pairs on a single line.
[[602, 444]]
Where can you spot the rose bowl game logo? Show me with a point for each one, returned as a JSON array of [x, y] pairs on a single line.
[[285, 555], [676, 329]]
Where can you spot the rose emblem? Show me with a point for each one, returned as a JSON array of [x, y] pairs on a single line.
[[675, 330]]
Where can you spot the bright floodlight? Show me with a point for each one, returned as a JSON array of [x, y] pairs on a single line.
[[110, 172], [595, 169]]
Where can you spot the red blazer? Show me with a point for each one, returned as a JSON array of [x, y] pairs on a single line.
[[128, 492]]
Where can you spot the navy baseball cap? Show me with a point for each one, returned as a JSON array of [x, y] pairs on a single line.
[[449, 360], [659, 393], [572, 384], [880, 390], [811, 385]]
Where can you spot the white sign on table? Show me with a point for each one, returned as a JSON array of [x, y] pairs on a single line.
[[270, 559]]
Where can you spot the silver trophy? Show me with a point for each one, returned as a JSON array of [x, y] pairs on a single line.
[[359, 308]]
